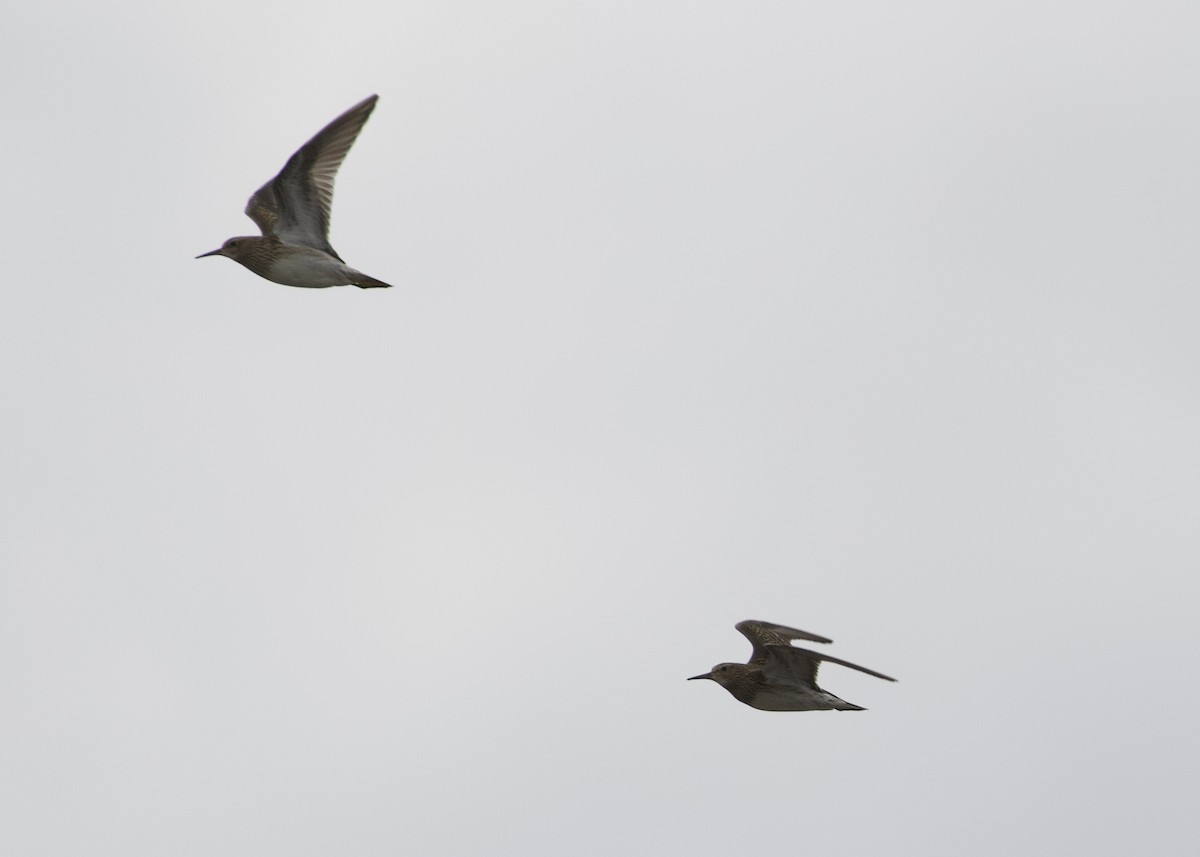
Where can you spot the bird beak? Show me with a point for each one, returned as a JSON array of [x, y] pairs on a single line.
[[694, 677], [216, 252]]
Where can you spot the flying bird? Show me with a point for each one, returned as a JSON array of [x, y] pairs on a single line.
[[292, 211], [780, 676]]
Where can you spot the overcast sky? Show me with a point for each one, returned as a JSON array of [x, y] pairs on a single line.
[[876, 319]]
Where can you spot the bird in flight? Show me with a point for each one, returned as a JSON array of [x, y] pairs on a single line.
[[292, 211], [780, 676]]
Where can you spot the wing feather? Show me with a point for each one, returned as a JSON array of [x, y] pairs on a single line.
[[793, 664], [295, 206], [763, 634]]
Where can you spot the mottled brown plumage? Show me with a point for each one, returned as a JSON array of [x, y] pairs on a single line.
[[780, 676], [293, 210]]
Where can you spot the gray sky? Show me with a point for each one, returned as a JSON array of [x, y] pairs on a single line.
[[874, 319]]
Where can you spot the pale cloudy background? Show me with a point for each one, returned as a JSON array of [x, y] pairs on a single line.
[[877, 319]]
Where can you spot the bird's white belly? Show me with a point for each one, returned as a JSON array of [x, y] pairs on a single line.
[[310, 269]]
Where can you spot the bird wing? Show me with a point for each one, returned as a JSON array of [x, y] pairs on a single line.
[[763, 634], [295, 205], [795, 665]]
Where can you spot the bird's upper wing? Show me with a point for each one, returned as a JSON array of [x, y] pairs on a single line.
[[294, 206], [795, 665], [763, 634]]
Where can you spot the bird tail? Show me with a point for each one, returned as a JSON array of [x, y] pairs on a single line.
[[365, 282], [841, 704]]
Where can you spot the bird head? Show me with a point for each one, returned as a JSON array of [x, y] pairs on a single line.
[[723, 674], [234, 248]]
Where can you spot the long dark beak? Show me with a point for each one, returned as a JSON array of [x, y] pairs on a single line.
[[694, 677], [211, 253]]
